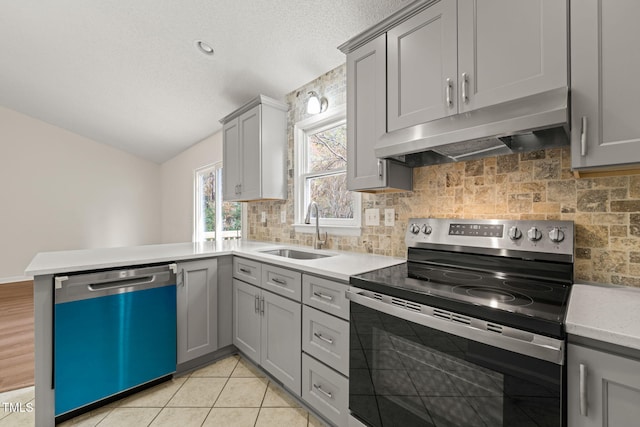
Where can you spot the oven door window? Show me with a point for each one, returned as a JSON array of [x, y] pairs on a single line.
[[405, 374]]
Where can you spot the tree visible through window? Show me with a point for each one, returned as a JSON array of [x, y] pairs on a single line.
[[213, 217], [322, 175]]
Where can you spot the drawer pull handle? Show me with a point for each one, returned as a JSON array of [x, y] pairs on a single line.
[[323, 296], [245, 271], [279, 281], [325, 339], [326, 393]]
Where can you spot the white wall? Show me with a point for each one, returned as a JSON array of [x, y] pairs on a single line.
[[60, 191], [177, 187]]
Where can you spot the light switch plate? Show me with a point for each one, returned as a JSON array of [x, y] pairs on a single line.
[[263, 217], [389, 217], [372, 217]]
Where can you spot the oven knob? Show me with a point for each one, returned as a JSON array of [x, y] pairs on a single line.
[[414, 228], [426, 229], [556, 235], [534, 234], [515, 233]]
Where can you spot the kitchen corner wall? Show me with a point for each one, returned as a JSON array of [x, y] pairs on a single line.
[[536, 185]]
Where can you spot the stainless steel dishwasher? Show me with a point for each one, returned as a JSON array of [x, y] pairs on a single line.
[[113, 331]]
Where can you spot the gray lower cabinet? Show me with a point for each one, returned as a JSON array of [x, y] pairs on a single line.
[[325, 345], [605, 130], [325, 390], [603, 388], [246, 319], [197, 310], [280, 343], [267, 329]]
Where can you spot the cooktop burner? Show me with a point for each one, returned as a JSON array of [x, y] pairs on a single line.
[[488, 269]]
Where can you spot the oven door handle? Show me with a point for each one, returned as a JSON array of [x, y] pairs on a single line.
[[533, 345]]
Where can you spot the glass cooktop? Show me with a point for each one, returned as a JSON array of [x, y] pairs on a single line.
[[529, 303]]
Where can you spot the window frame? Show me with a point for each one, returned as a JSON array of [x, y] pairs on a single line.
[[316, 123], [198, 235]]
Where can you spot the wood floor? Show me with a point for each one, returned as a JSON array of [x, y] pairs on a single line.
[[16, 335]]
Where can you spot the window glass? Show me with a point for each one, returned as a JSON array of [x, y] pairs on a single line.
[[321, 171], [213, 217]]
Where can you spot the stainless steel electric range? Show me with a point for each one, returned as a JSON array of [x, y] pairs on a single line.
[[469, 331]]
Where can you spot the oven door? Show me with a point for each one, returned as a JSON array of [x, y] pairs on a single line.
[[411, 368]]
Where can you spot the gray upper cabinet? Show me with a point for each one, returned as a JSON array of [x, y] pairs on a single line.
[[510, 49], [454, 72], [605, 130], [255, 151], [197, 311], [366, 116], [603, 389], [422, 66]]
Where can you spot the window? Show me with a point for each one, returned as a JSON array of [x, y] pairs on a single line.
[[214, 218], [321, 173]]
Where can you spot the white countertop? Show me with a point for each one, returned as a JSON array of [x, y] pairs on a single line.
[[339, 266], [605, 313]]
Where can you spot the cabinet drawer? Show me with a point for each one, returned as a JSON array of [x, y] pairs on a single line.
[[282, 282], [326, 338], [325, 295], [325, 390], [247, 270]]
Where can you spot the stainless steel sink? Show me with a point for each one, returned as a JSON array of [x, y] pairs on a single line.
[[296, 254]]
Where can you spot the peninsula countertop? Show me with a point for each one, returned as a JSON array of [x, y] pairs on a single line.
[[339, 265]]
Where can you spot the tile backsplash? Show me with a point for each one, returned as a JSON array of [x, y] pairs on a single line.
[[535, 185]]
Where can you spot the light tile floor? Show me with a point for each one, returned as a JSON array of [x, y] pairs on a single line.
[[229, 393]]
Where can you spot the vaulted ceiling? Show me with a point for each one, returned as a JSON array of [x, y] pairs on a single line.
[[129, 73]]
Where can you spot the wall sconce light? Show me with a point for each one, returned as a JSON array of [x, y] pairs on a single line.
[[316, 104]]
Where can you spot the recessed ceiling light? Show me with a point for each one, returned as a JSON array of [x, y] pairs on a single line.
[[204, 47]]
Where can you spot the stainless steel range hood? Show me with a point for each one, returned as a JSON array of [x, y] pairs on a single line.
[[526, 124]]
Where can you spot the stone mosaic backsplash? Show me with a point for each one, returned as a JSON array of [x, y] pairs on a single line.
[[536, 185]]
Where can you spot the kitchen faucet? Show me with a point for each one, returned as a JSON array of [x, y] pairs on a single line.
[[317, 242]]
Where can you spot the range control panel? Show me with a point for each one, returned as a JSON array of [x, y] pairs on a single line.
[[535, 236]]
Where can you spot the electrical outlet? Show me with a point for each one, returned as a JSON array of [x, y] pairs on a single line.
[[372, 217], [389, 217], [283, 216], [263, 217]]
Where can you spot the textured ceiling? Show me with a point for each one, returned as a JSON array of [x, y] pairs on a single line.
[[128, 74]]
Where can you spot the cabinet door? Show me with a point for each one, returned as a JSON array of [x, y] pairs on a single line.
[[366, 114], [422, 67], [197, 299], [611, 386], [246, 319], [605, 61], [251, 153], [231, 161], [509, 49], [281, 345]]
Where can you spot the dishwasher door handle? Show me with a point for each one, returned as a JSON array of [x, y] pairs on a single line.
[[125, 283]]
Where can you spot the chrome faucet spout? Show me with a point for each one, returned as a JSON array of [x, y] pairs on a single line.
[[317, 240]]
